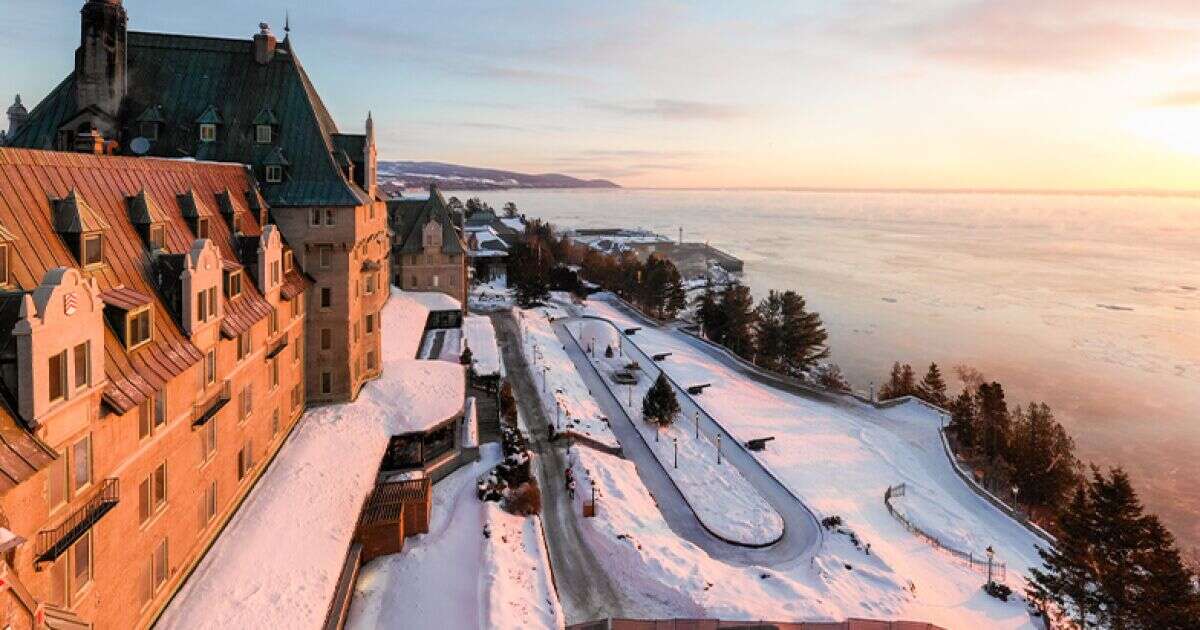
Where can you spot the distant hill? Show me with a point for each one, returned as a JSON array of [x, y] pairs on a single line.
[[455, 177]]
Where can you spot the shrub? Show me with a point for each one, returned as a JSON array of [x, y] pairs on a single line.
[[998, 590], [830, 522], [525, 499]]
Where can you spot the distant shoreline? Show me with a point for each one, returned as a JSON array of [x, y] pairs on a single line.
[[1187, 194]]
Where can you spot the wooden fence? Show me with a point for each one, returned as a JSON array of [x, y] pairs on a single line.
[[999, 570]]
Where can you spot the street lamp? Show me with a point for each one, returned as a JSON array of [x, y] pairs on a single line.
[[697, 416], [545, 369], [676, 441], [629, 388], [872, 391], [991, 554], [718, 448], [656, 432], [557, 412]]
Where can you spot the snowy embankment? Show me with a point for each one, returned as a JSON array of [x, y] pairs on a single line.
[[455, 576], [480, 337], [838, 458], [565, 397], [723, 500], [279, 558]]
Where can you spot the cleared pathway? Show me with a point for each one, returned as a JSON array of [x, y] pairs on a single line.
[[584, 588], [801, 533]]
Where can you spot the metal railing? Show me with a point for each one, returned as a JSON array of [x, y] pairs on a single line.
[[51, 543], [999, 569], [204, 411]]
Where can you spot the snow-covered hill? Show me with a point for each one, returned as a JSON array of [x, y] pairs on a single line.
[[456, 177]]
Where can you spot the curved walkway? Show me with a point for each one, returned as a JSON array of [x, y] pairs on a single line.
[[801, 533]]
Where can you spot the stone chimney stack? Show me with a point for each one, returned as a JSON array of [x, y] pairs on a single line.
[[17, 115], [264, 45], [100, 60]]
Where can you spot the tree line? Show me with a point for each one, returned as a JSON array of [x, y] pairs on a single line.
[[1114, 564], [778, 333]]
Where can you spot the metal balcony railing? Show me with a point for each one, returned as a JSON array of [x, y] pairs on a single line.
[[52, 543], [277, 346], [204, 411]]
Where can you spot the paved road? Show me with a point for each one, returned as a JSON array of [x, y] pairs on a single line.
[[584, 588], [801, 532]]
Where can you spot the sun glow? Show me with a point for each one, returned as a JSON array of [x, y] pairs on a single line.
[[1178, 128]]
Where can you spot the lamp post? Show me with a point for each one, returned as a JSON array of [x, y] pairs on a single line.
[[656, 432], [629, 388], [718, 448], [676, 441], [991, 554], [545, 369], [697, 417], [557, 413], [872, 391]]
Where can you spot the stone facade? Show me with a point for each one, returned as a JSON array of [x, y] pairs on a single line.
[[428, 251]]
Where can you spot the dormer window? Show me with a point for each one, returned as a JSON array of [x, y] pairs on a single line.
[[274, 174], [233, 284], [274, 166], [262, 134], [208, 122], [208, 132], [5, 253], [150, 122], [202, 227], [288, 261], [237, 224], [138, 327], [264, 126], [150, 131], [57, 371], [206, 304], [92, 248], [158, 237]]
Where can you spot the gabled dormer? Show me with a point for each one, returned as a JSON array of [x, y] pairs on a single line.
[[270, 259], [229, 212], [130, 314], [149, 220], [200, 285], [275, 166], [150, 123], [194, 213], [256, 205], [81, 228], [266, 126], [60, 350], [208, 124]]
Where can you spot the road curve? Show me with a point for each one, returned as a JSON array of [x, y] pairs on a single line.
[[801, 532]]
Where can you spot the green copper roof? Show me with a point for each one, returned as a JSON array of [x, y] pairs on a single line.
[[407, 217], [209, 117]]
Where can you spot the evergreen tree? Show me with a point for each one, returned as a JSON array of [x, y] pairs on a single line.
[[933, 387], [803, 336], [510, 210], [1169, 598], [709, 314], [964, 420], [830, 376], [1042, 456], [1120, 536], [894, 387], [908, 381], [466, 358], [1066, 584], [737, 309], [662, 293], [769, 332], [993, 423], [529, 265], [660, 405]]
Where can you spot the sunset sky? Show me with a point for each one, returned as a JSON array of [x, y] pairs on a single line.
[[1073, 94]]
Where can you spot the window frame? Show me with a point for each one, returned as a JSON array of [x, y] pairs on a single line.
[[149, 131], [57, 375], [263, 138], [330, 217], [202, 227], [161, 231], [78, 488], [85, 260], [233, 283], [208, 132], [326, 382], [132, 328], [273, 173], [76, 586], [208, 441]]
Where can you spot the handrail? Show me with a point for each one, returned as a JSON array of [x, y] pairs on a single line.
[[52, 543], [277, 346], [204, 411]]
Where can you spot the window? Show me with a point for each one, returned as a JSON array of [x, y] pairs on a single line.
[[246, 403], [208, 440], [212, 301], [325, 253], [326, 297], [157, 571], [371, 363], [326, 382], [160, 408], [145, 419], [81, 563], [137, 327], [326, 338], [202, 227], [58, 376], [210, 367], [370, 284], [83, 364], [150, 130], [208, 132], [233, 284], [297, 396], [357, 331], [413, 283], [288, 261], [152, 493], [4, 249], [273, 321], [262, 134], [275, 423], [370, 323], [330, 217], [245, 462], [208, 505], [56, 479], [93, 249], [274, 174], [297, 353], [275, 274], [274, 372], [206, 304], [158, 237], [296, 310], [244, 345], [314, 217], [81, 459], [435, 281]]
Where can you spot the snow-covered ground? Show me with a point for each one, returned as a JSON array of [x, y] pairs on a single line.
[[480, 337], [839, 459], [576, 410], [491, 296], [455, 576], [722, 498]]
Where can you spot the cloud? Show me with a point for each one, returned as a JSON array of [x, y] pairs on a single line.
[[1185, 98], [670, 109]]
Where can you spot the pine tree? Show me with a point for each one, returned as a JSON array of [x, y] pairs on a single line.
[[1066, 584], [737, 309], [964, 420], [769, 332], [529, 264], [804, 335], [1169, 598], [908, 381], [1042, 455], [708, 313], [993, 421], [894, 387], [1120, 537], [660, 405], [933, 387]]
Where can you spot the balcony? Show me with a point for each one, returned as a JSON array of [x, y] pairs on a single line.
[[277, 346], [204, 411], [52, 543]]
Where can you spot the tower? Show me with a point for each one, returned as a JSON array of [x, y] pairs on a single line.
[[17, 115], [100, 60]]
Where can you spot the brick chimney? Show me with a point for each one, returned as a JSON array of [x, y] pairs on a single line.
[[100, 60], [264, 45]]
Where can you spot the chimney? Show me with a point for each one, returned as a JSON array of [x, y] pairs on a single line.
[[100, 60], [90, 142], [264, 45], [17, 115]]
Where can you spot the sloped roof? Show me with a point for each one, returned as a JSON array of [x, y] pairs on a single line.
[[29, 180], [192, 79], [409, 216]]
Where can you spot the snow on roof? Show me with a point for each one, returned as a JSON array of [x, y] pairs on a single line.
[[277, 562], [514, 223], [480, 337], [433, 300]]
